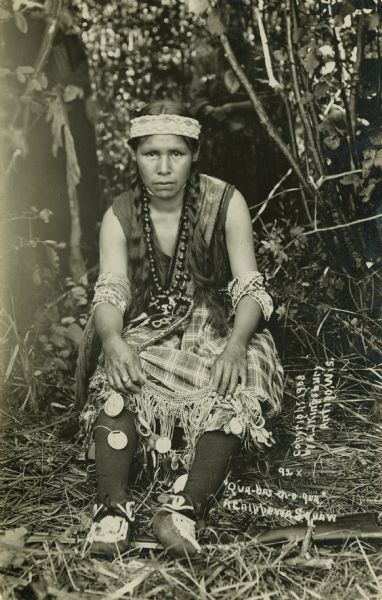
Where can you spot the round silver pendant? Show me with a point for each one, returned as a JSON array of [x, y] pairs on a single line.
[[235, 426], [163, 445], [114, 405], [117, 439]]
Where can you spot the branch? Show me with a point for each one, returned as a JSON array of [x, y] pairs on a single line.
[[73, 177], [42, 57], [23, 111], [260, 111], [292, 133], [271, 195], [297, 93], [320, 181], [351, 139], [356, 71], [343, 225], [272, 81]]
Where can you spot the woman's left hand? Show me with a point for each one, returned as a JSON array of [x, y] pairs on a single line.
[[228, 367]]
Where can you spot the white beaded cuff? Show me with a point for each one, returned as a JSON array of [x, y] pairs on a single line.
[[251, 283], [113, 289]]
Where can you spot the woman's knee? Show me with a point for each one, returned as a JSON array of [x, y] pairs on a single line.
[[125, 420]]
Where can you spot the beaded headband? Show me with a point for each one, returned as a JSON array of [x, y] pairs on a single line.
[[163, 124]]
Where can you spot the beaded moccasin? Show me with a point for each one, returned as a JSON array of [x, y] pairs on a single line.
[[110, 532], [175, 529]]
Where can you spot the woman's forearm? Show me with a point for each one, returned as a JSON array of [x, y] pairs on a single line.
[[108, 322], [247, 318]]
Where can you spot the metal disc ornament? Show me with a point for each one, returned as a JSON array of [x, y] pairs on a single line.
[[114, 405], [235, 426], [117, 439], [163, 445]]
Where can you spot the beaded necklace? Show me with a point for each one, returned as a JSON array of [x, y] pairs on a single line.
[[170, 298]]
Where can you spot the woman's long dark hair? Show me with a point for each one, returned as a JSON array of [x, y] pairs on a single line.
[[206, 265]]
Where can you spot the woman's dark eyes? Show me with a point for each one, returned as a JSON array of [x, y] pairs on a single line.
[[174, 153]]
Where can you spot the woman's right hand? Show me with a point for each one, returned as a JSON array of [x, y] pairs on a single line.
[[122, 365]]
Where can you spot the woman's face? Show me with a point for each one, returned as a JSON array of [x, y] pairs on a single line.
[[164, 163]]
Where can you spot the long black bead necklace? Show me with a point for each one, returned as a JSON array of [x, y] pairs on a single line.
[[168, 298]]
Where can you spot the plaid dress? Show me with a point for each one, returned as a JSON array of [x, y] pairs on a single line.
[[177, 359]]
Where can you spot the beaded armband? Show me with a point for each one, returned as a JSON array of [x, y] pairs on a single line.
[[113, 289], [251, 283]]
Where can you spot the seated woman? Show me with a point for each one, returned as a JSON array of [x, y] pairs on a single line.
[[178, 305]]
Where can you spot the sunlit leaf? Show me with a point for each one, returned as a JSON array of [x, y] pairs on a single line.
[[351, 179], [372, 159], [60, 364], [367, 192], [72, 92], [74, 333], [297, 230], [376, 138], [17, 4], [332, 140], [374, 21], [58, 336], [347, 9], [4, 13], [11, 545], [321, 89], [326, 50], [298, 33], [21, 22], [328, 67], [310, 60], [45, 215], [53, 258], [198, 6], [25, 69], [280, 56], [214, 22], [231, 81]]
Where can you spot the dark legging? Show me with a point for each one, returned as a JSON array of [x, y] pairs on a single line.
[[213, 454], [113, 466]]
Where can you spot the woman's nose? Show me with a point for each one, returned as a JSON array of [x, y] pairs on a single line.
[[164, 165]]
